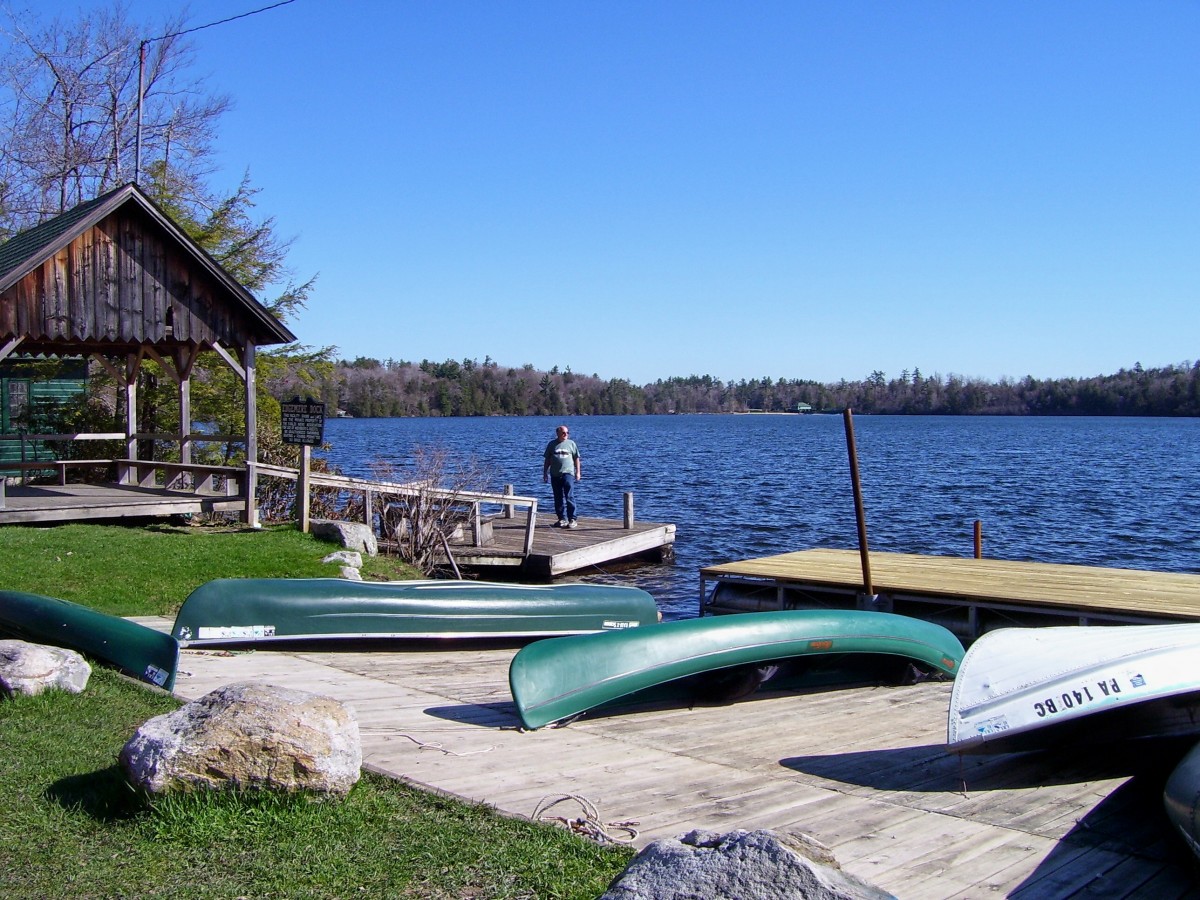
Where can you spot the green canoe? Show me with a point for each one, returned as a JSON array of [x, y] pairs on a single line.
[[134, 649], [557, 679], [253, 610]]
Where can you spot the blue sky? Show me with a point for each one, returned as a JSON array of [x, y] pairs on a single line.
[[784, 189]]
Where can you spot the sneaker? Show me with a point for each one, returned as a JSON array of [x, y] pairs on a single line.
[[561, 523], [573, 524]]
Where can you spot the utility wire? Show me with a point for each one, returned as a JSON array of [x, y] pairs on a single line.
[[137, 158], [253, 12]]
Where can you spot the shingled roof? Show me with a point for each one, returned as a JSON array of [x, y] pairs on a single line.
[[39, 289]]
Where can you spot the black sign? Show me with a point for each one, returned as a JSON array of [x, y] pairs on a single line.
[[303, 422]]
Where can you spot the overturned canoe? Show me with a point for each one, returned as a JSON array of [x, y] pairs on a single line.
[[1181, 796], [558, 679], [252, 610], [135, 650], [1031, 688]]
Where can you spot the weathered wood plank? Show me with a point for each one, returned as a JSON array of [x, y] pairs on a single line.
[[782, 765], [1004, 583]]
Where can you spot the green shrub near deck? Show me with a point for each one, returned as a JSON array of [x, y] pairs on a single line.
[[71, 827]]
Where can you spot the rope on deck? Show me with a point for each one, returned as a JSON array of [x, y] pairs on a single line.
[[589, 824]]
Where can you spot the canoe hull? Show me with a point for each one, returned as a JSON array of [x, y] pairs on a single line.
[[1028, 688], [558, 679], [1181, 796], [137, 651], [257, 610]]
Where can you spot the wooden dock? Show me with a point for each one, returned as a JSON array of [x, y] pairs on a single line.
[[50, 503], [558, 551], [503, 531], [968, 596], [863, 770]]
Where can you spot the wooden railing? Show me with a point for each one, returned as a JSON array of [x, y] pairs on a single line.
[[225, 481], [199, 479], [476, 500]]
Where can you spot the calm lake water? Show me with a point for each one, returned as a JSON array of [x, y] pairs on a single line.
[[1093, 491]]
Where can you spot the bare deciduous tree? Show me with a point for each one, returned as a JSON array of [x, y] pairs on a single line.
[[69, 91], [423, 522]]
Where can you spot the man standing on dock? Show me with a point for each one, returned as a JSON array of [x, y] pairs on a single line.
[[560, 466]]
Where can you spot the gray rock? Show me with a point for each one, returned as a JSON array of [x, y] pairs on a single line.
[[345, 558], [351, 574], [351, 535], [248, 736], [747, 865], [29, 669]]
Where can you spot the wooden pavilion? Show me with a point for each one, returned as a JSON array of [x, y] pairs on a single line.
[[116, 281]]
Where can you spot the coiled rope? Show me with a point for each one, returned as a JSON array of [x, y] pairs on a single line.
[[589, 824]]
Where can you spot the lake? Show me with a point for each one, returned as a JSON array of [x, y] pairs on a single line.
[[1092, 491]]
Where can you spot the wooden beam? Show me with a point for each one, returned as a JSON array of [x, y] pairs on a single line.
[[168, 367], [230, 359], [8, 348], [117, 374]]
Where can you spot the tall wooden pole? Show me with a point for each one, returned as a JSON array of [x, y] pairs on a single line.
[[860, 513]]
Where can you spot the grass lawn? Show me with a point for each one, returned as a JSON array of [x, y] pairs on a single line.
[[71, 827], [149, 571]]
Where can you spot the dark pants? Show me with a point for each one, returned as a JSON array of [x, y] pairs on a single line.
[[564, 496]]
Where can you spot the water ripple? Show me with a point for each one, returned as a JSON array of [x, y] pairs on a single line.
[[1092, 491]]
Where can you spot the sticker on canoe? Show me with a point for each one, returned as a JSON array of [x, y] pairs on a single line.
[[155, 675], [994, 725], [235, 632], [617, 624]]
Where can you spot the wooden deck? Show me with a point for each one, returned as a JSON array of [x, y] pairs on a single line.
[[50, 503], [969, 596], [863, 770], [557, 551]]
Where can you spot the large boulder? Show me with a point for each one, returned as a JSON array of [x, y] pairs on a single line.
[[748, 865], [32, 668], [351, 535], [248, 736]]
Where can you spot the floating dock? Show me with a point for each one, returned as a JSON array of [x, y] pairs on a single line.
[[559, 551], [968, 596]]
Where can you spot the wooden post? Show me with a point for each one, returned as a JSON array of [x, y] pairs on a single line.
[[628, 517], [131, 418], [302, 488], [369, 509], [250, 376], [530, 525], [978, 539], [860, 514], [508, 510]]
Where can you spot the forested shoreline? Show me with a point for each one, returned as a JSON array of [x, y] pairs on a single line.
[[368, 387]]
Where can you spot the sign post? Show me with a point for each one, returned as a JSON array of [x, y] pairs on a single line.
[[303, 422]]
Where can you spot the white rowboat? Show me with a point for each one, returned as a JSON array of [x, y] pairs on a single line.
[[1033, 688]]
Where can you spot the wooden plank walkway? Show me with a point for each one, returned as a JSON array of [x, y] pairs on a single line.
[[967, 595], [48, 503], [558, 551], [863, 770]]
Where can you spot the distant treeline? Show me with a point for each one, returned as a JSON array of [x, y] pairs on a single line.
[[369, 388]]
